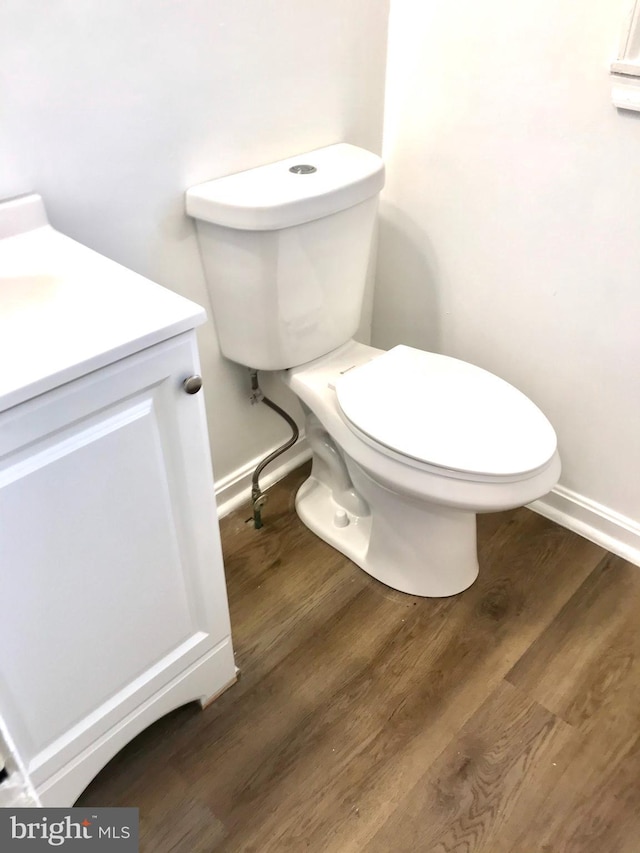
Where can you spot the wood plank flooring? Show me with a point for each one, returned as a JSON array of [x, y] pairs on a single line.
[[502, 720]]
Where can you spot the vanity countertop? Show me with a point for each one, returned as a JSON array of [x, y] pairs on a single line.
[[66, 310]]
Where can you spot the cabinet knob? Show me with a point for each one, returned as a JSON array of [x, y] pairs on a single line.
[[192, 384]]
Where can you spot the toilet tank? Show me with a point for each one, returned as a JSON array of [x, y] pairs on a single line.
[[285, 249]]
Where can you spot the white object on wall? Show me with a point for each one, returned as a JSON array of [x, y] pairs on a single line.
[[625, 70]]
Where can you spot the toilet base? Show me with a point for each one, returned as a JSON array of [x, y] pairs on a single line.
[[411, 546]]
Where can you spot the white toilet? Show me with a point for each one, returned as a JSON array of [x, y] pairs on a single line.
[[407, 445]]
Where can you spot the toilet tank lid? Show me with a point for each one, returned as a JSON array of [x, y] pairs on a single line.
[[289, 192]]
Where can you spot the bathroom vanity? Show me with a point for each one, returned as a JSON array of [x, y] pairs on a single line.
[[114, 606]]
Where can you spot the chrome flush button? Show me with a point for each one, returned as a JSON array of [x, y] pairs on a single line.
[[303, 169]]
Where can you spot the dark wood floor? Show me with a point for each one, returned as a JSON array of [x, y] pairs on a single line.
[[503, 720]]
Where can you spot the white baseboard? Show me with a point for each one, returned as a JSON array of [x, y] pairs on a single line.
[[598, 523], [235, 489]]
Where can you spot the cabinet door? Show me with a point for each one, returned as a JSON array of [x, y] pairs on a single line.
[[110, 564]]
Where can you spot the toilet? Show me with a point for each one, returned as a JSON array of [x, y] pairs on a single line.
[[407, 445]]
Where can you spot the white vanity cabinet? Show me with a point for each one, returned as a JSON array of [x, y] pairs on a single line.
[[114, 607]]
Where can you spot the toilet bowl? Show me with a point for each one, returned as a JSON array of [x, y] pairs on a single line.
[[407, 445], [409, 521]]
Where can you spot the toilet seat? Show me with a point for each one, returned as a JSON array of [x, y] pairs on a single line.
[[445, 413]]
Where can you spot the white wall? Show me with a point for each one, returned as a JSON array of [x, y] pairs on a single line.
[[111, 110], [511, 222]]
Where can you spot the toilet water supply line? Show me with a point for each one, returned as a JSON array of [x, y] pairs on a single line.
[[258, 497]]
